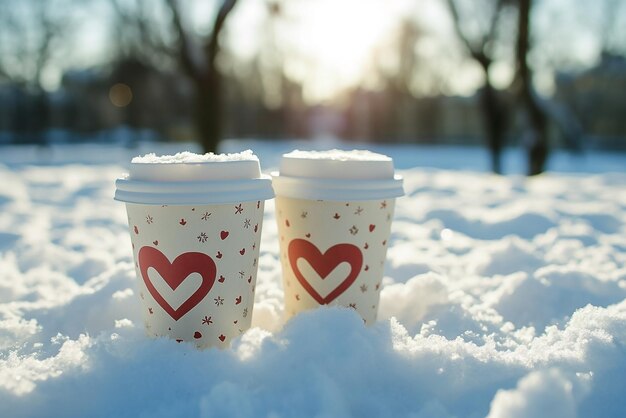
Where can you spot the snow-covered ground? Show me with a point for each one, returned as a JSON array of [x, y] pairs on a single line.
[[503, 297]]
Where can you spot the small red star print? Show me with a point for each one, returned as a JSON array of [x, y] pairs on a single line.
[[149, 219], [238, 209], [383, 204], [207, 320], [219, 301], [336, 216], [183, 222], [151, 311], [237, 300]]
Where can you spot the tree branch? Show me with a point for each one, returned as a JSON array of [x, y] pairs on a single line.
[[456, 19], [491, 34], [184, 53], [212, 46]]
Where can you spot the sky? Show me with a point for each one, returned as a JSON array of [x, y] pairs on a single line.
[[331, 45]]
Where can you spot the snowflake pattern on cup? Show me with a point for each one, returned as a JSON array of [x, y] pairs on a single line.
[[188, 261]]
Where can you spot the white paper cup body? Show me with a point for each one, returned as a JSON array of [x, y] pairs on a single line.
[[195, 226], [333, 253], [334, 211], [196, 269]]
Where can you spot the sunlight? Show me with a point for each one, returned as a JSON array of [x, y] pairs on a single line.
[[334, 41]]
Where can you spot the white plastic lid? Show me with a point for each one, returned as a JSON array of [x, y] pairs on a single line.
[[193, 179], [337, 175]]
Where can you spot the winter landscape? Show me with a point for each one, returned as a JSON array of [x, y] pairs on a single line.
[[503, 296]]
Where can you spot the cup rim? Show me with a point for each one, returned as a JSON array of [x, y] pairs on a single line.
[[196, 192]]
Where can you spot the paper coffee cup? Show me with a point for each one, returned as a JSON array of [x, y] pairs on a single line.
[[195, 225], [334, 211]]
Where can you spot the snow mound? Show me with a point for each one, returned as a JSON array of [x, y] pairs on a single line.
[[502, 297]]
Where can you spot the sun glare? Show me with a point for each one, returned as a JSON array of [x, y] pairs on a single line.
[[334, 41]]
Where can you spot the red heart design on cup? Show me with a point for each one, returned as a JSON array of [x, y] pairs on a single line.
[[224, 235], [175, 273], [324, 264]]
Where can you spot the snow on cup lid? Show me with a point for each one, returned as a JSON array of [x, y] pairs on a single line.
[[191, 179], [337, 175]]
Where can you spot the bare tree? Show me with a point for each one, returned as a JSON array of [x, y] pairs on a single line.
[[195, 56], [29, 32], [536, 138], [481, 48], [31, 35]]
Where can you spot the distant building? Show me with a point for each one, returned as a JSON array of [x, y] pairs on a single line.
[[597, 97]]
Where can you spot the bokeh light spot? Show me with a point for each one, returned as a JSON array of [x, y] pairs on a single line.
[[120, 95]]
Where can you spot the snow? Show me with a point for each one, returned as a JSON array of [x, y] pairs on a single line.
[[338, 155], [502, 297], [186, 157]]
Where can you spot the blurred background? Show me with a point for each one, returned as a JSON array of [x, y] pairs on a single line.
[[535, 74]]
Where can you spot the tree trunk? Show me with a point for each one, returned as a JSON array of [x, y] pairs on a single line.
[[208, 110], [537, 138], [494, 122], [494, 115]]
